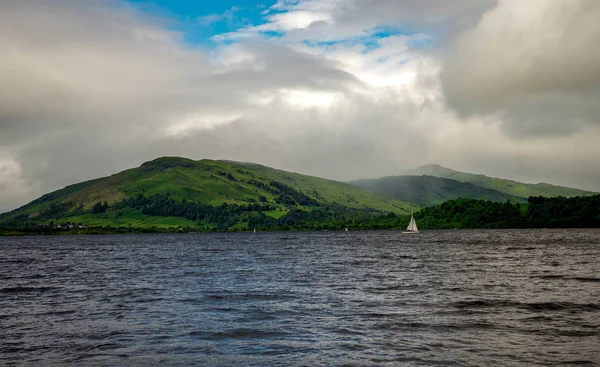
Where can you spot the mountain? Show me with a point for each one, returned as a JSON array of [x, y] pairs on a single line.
[[430, 190], [510, 187], [172, 191]]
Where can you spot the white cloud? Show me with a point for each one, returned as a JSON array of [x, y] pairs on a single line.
[[14, 188], [305, 98], [90, 88], [210, 19], [292, 20], [185, 125]]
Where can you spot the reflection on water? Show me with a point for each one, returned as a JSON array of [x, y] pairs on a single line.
[[527, 297]]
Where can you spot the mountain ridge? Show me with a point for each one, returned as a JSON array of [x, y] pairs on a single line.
[[427, 190], [175, 194], [207, 184], [511, 187]]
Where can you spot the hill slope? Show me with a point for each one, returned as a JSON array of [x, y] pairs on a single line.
[[510, 187], [205, 192], [430, 190]]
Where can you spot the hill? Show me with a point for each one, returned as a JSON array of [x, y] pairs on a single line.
[[429, 190], [208, 194], [510, 187]]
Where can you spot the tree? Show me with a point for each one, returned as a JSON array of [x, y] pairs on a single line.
[[99, 208]]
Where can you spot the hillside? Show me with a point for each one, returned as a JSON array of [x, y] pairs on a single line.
[[510, 187], [430, 190], [173, 191]]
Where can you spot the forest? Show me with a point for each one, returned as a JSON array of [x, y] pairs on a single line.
[[538, 212]]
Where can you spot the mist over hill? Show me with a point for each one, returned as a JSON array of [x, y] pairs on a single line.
[[511, 187], [430, 190]]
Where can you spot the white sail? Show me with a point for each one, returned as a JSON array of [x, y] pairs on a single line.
[[412, 226]]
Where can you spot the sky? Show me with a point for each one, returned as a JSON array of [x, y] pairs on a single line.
[[342, 89]]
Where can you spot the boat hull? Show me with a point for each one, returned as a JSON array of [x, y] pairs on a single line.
[[411, 232]]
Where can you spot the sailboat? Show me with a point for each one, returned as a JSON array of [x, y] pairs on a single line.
[[412, 226]]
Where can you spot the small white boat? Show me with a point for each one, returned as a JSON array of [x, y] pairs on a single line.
[[346, 230], [412, 226]]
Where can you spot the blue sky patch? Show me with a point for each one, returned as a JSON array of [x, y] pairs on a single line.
[[199, 20]]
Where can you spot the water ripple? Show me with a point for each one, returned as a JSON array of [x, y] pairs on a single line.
[[468, 298]]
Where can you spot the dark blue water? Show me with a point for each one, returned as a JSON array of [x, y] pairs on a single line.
[[471, 298]]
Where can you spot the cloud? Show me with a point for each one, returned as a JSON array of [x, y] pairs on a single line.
[[14, 188], [533, 62], [210, 19], [86, 85], [91, 88], [334, 20]]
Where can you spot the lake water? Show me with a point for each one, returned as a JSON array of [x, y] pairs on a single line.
[[470, 298]]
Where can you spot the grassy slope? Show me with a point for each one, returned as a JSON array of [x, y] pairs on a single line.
[[205, 181], [430, 190], [510, 187], [330, 191]]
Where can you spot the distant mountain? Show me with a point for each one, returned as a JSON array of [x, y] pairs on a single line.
[[510, 187], [172, 191], [430, 190]]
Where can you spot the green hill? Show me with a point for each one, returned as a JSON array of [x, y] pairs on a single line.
[[510, 187], [227, 195], [430, 190]]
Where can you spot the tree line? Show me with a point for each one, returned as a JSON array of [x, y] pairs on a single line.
[[538, 212]]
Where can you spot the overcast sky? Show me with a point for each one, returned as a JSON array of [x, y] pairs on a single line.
[[342, 89]]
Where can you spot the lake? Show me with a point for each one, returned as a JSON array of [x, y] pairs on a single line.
[[468, 297]]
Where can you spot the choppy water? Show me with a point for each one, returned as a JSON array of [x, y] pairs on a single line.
[[475, 298]]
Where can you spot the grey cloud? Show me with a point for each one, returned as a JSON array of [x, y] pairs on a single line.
[[535, 62], [276, 66], [355, 139], [408, 13], [91, 88]]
